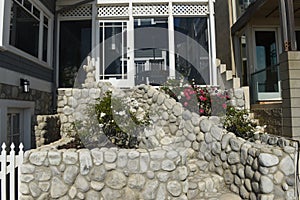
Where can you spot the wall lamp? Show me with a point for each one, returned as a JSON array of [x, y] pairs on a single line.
[[25, 85]]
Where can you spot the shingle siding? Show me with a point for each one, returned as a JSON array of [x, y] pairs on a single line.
[[19, 64]]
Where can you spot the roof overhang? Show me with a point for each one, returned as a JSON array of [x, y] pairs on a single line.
[[262, 9]]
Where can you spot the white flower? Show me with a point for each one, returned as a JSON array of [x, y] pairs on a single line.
[[102, 114], [122, 112]]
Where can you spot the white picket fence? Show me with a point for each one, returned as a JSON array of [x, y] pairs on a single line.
[[8, 164]]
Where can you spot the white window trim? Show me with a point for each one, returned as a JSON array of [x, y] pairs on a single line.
[[6, 34], [269, 95], [28, 108]]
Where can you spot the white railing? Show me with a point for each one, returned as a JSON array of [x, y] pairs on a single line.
[[9, 162]]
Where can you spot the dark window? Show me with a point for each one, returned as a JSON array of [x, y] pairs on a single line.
[[191, 48], [75, 45], [27, 32], [24, 30]]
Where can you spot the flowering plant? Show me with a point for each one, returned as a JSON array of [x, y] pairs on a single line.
[[118, 117], [206, 101]]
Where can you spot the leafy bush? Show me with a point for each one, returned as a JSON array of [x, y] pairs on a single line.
[[238, 122], [121, 120]]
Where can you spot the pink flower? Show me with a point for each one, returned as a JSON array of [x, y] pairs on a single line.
[[185, 104], [201, 110], [202, 98], [224, 105]]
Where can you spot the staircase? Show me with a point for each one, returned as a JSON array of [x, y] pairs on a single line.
[[226, 78]]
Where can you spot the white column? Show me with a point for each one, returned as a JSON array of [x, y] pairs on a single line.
[[171, 43], [130, 48], [213, 70], [2, 3], [96, 41]]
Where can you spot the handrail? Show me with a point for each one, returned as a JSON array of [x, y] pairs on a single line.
[[267, 68]]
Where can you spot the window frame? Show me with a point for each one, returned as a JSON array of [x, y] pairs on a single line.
[[44, 12]]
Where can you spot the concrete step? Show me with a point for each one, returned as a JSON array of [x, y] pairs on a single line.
[[209, 186]]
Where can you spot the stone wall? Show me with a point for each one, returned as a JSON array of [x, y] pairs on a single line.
[[176, 149], [47, 130], [271, 115], [251, 169]]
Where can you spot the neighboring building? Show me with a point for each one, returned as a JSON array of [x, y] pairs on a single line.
[[26, 49], [265, 37]]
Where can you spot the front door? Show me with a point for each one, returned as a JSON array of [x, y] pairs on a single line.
[[15, 127], [114, 55]]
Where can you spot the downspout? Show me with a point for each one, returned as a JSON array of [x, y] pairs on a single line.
[[213, 43], [55, 67]]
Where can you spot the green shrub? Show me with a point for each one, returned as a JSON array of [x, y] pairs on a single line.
[[121, 120], [238, 122]]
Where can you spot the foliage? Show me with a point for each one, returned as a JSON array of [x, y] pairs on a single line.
[[121, 119], [238, 122]]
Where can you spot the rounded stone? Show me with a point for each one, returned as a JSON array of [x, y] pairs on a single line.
[[70, 174], [136, 181], [174, 187], [115, 180], [110, 156], [205, 125], [38, 157], [268, 160], [266, 185], [233, 158], [287, 166], [168, 165], [82, 184], [58, 188]]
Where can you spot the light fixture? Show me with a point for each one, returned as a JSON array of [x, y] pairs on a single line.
[[25, 85]]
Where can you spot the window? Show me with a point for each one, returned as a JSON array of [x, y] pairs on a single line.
[[29, 29]]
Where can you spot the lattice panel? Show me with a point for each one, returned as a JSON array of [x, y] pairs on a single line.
[[113, 11], [150, 9], [190, 9], [80, 11]]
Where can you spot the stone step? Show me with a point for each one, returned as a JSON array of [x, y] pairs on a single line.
[[210, 186]]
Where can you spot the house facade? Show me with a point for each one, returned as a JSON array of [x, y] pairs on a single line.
[[43, 45], [26, 67]]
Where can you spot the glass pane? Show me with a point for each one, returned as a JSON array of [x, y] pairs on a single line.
[[45, 44], [36, 12], [27, 5], [113, 50], [191, 48], [24, 26], [46, 21], [266, 54], [151, 53], [75, 46]]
